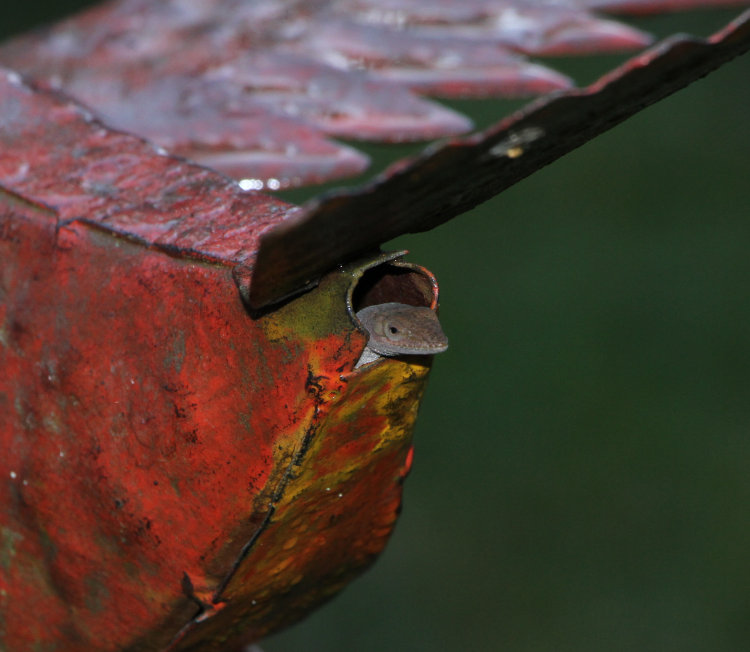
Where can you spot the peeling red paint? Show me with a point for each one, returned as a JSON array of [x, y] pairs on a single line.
[[165, 449]]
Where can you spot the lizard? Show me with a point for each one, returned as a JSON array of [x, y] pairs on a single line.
[[399, 329]]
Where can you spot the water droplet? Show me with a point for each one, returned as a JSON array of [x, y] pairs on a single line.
[[250, 184], [14, 78]]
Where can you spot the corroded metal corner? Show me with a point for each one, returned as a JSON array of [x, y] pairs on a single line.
[[339, 496], [226, 472]]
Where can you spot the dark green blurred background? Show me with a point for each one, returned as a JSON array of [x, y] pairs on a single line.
[[582, 478]]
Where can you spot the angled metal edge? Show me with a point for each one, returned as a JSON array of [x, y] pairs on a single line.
[[452, 177]]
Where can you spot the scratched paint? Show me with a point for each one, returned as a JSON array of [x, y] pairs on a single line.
[[162, 446], [159, 438]]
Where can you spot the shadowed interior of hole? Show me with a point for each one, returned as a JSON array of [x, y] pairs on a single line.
[[392, 283]]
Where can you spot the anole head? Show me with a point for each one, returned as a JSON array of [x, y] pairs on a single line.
[[399, 329]]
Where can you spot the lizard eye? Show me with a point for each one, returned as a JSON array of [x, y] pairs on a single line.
[[393, 333]]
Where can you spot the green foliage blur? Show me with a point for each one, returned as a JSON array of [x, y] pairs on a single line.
[[582, 476]]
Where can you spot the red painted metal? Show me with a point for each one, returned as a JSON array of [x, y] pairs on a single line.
[[177, 473], [251, 88]]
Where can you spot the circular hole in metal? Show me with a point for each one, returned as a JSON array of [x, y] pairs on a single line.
[[394, 283]]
